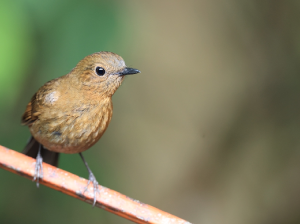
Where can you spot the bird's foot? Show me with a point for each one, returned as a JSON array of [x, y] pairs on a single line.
[[38, 171], [96, 190]]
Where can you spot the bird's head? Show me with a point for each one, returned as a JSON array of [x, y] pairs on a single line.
[[101, 72]]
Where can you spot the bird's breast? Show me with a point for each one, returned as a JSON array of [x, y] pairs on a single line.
[[73, 131]]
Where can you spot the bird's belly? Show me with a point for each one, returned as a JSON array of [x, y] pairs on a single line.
[[70, 134]]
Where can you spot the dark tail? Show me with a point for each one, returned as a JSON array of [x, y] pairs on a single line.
[[32, 149]]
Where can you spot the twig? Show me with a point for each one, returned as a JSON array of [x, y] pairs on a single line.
[[74, 185]]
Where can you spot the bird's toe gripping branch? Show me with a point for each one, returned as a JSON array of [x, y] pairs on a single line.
[[96, 190], [38, 171]]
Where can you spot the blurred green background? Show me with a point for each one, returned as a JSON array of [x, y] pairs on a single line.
[[209, 131]]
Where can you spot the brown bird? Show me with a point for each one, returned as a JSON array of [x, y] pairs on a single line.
[[69, 114]]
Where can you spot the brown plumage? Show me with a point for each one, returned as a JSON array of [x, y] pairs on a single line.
[[70, 114]]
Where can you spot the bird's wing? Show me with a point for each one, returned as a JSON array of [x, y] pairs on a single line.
[[29, 116], [38, 102]]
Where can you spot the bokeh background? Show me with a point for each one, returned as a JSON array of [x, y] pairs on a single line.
[[209, 131]]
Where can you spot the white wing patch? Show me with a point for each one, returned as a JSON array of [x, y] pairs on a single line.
[[52, 97]]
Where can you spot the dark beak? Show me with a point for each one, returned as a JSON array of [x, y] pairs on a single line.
[[129, 71]]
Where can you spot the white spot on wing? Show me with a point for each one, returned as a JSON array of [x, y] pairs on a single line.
[[52, 97]]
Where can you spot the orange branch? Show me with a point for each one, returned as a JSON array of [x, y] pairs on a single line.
[[74, 185]]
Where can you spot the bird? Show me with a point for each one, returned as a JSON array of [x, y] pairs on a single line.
[[69, 114]]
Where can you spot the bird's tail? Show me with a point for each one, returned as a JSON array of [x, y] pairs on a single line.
[[32, 148]]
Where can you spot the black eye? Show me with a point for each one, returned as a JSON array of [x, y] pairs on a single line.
[[100, 71]]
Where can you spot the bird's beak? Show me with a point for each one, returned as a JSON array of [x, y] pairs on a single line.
[[129, 71]]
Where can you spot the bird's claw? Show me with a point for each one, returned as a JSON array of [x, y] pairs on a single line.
[[96, 190], [38, 171]]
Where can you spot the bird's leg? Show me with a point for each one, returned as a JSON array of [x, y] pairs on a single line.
[[38, 171], [92, 180]]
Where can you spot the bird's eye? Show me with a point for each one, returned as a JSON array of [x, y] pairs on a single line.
[[100, 71]]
